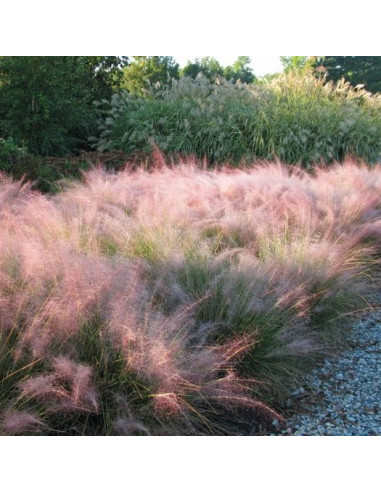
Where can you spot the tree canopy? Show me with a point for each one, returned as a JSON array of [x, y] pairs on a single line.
[[211, 69], [207, 66], [298, 63], [149, 70], [46, 102], [240, 71], [356, 69]]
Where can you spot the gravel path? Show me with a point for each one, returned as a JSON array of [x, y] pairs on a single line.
[[343, 396]]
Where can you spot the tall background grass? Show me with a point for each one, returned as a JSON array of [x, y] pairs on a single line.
[[296, 118]]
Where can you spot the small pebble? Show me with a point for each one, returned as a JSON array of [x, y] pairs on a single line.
[[349, 387]]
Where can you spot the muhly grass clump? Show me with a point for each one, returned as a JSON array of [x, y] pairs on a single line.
[[180, 300]]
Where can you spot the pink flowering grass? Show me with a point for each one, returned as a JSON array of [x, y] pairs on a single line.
[[16, 423], [179, 300]]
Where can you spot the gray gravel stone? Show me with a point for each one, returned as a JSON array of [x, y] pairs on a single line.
[[350, 385]]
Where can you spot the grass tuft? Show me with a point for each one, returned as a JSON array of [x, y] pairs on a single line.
[[178, 300]]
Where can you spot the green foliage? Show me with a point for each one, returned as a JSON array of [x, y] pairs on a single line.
[[296, 117], [105, 74], [9, 154], [355, 69], [240, 71], [149, 70], [208, 66], [46, 102], [298, 63]]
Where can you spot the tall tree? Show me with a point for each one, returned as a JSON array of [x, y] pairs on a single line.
[[46, 103], [149, 70], [207, 66], [298, 63], [356, 69], [240, 71], [105, 74]]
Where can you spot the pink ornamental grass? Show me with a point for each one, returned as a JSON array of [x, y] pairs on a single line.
[[120, 248], [15, 423]]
